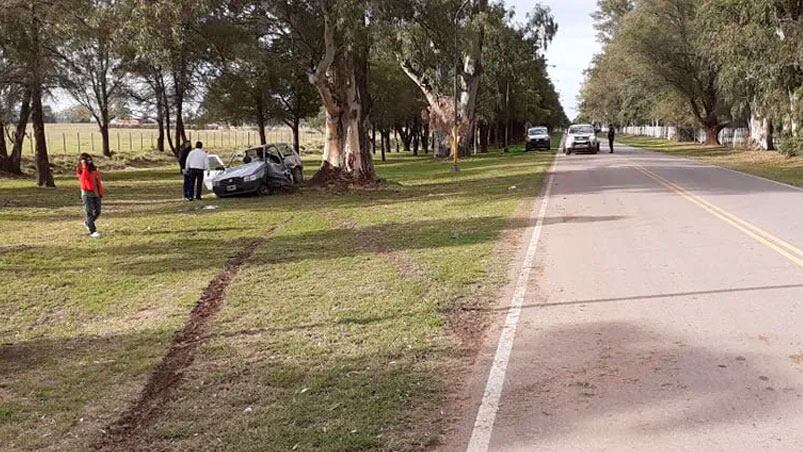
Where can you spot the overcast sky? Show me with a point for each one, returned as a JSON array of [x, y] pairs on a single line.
[[573, 47]]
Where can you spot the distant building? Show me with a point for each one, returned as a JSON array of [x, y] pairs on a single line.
[[120, 122]]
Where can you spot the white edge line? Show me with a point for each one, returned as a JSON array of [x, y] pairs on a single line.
[[710, 165], [486, 416]]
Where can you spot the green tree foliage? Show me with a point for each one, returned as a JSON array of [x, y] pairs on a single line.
[[90, 68], [759, 46]]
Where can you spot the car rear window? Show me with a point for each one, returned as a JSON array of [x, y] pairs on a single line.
[[537, 131], [581, 129]]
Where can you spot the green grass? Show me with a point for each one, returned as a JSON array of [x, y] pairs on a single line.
[[770, 165], [334, 336]]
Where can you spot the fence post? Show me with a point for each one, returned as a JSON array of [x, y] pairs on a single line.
[[141, 142], [31, 143], [92, 140], [235, 138], [78, 135], [64, 142], [130, 145], [118, 141]]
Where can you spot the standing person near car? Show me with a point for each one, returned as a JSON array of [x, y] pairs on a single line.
[[91, 191], [183, 153], [197, 163], [611, 136]]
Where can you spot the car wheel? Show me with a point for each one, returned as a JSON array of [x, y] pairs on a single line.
[[298, 175], [264, 190]]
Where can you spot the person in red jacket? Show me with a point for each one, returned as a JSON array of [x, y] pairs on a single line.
[[91, 192]]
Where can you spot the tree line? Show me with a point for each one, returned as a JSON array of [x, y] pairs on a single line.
[[366, 66], [701, 64]]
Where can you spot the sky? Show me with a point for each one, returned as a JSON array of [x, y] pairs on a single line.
[[573, 47]]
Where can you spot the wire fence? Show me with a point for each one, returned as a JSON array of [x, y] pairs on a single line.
[[727, 137], [79, 139]]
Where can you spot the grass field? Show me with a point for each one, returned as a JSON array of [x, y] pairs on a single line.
[[770, 165], [339, 333]]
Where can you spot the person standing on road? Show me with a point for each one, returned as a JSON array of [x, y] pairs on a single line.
[[611, 136], [183, 153], [91, 191], [197, 163]]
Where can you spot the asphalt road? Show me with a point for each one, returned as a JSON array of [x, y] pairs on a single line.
[[663, 311]]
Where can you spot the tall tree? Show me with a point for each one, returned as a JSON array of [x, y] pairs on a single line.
[[28, 37], [759, 46], [336, 36], [90, 68], [662, 35]]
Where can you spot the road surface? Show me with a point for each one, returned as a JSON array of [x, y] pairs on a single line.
[[662, 309]]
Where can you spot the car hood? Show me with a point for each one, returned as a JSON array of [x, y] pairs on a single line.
[[242, 170], [538, 137], [580, 136]]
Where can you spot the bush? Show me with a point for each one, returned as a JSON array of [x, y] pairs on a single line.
[[790, 145]]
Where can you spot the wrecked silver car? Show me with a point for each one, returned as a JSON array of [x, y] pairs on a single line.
[[264, 170]]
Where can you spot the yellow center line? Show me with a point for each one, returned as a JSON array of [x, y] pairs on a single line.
[[779, 245]]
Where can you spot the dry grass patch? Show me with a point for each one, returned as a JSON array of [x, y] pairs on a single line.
[[768, 164]]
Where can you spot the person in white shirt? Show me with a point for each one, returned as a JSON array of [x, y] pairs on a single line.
[[197, 163]]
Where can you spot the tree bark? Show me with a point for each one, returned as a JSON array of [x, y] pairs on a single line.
[[160, 118], [14, 161], [44, 175], [712, 134], [260, 107], [104, 138], [385, 145], [484, 135], [295, 127], [3, 147]]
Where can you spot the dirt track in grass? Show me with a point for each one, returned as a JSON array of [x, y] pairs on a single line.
[[123, 433]]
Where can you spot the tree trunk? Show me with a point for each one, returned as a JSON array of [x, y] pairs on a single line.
[[3, 147], [484, 135], [295, 127], [760, 132], [425, 137], [14, 161], [373, 139], [173, 147], [712, 134], [341, 78], [385, 137], [414, 133], [260, 106], [44, 175], [104, 138]]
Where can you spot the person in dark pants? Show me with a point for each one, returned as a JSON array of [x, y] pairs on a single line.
[[197, 163], [91, 192], [183, 153], [611, 136]]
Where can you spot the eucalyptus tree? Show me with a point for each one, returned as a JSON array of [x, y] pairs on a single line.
[[515, 72], [440, 46], [663, 36], [759, 46], [333, 38]]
